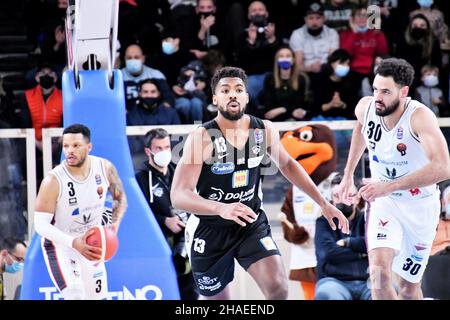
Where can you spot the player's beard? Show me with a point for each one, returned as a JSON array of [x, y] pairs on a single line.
[[80, 163], [231, 116], [388, 109]]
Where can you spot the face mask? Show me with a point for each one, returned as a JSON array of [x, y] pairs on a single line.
[[162, 158], [346, 210], [341, 70], [133, 66], [190, 84], [362, 29], [149, 103], [259, 20], [14, 267], [168, 47], [425, 3], [46, 81], [431, 81], [418, 33], [284, 64], [315, 32], [206, 14]]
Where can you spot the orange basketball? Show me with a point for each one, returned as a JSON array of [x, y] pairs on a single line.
[[105, 238]]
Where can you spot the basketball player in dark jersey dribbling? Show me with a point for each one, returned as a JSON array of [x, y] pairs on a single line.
[[218, 179]]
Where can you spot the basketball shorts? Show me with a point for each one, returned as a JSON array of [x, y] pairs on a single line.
[[73, 275], [408, 227], [212, 248]]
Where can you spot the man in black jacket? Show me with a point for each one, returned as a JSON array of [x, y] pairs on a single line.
[[342, 263], [155, 181]]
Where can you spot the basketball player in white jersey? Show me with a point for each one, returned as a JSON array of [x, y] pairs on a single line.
[[408, 156], [71, 200]]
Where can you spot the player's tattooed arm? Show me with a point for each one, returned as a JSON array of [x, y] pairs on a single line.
[[118, 194]]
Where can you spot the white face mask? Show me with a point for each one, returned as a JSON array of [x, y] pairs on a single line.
[[162, 158], [431, 80]]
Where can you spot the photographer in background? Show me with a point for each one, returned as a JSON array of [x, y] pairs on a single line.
[[256, 49], [155, 181]]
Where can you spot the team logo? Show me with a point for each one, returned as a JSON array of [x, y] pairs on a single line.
[[258, 135], [400, 133], [240, 179], [100, 192], [382, 223], [414, 192], [254, 162], [158, 192], [98, 179], [256, 149], [401, 147], [76, 212], [222, 168], [72, 201]]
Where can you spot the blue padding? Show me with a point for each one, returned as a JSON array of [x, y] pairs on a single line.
[[142, 268]]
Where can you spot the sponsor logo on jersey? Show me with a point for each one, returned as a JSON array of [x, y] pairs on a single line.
[[100, 192], [308, 207], [375, 158], [401, 147], [268, 243], [240, 161], [381, 236], [400, 133], [207, 283], [72, 201], [240, 179], [98, 179], [259, 135], [382, 223], [254, 162], [415, 192], [416, 257], [256, 149], [222, 168], [372, 145], [76, 212], [219, 195], [420, 247]]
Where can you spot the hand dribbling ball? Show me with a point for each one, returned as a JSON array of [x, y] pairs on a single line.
[[104, 238]]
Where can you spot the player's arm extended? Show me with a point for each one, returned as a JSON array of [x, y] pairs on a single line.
[[118, 194], [295, 173], [45, 212], [425, 125], [183, 195]]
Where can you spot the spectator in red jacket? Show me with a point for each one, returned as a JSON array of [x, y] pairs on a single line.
[[363, 44]]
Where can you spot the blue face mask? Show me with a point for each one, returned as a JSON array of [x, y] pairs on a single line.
[[425, 3], [133, 66], [341, 70], [362, 29], [285, 64], [14, 267], [168, 48]]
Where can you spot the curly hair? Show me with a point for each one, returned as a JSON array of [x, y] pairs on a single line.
[[227, 72], [399, 69]]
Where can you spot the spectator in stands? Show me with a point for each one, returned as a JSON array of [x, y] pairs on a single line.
[[149, 109], [419, 47], [435, 17], [136, 71], [334, 96], [256, 48], [155, 180], [174, 56], [366, 84], [183, 20], [337, 14], [342, 262], [363, 44], [285, 92], [8, 118], [54, 47], [41, 107], [429, 93], [190, 93], [12, 257], [442, 240], [313, 42], [208, 34]]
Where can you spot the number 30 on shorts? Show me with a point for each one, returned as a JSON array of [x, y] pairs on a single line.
[[411, 266]]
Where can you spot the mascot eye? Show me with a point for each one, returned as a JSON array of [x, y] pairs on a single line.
[[306, 135]]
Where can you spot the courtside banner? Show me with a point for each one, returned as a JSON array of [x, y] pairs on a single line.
[[142, 268]]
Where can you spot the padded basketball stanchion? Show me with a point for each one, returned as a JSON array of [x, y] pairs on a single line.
[[142, 267]]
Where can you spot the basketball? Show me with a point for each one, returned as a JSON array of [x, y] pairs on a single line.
[[105, 238]]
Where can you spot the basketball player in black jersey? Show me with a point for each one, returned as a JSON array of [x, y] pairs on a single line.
[[218, 179]]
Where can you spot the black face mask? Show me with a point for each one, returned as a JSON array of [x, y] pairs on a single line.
[[149, 103], [315, 32], [346, 210], [259, 20], [418, 33], [206, 14], [46, 81]]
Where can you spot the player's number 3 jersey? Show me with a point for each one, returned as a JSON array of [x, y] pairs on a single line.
[[397, 152]]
